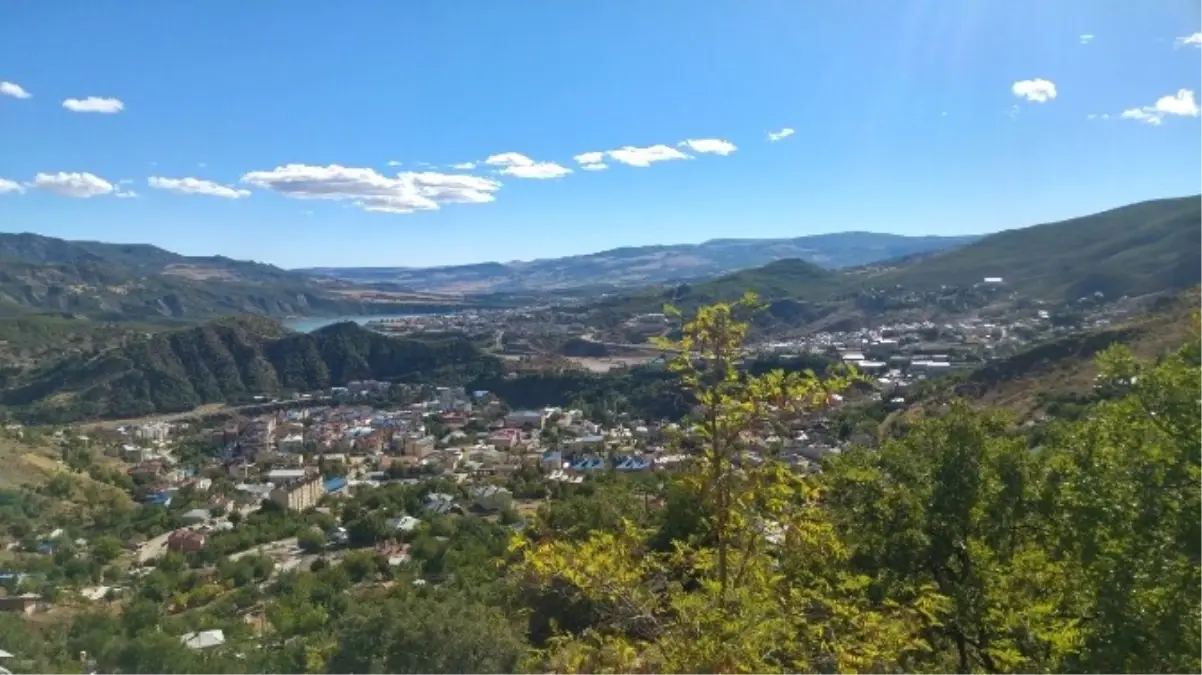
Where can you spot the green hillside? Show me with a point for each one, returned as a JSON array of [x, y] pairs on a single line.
[[138, 282], [231, 361], [780, 280], [1141, 248]]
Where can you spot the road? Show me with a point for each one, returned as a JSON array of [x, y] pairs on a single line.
[[153, 548]]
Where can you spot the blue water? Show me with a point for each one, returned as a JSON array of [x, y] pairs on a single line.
[[309, 324]]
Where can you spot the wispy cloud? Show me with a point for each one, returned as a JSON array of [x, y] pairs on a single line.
[[407, 192], [644, 157], [14, 90], [464, 166], [94, 104], [1181, 104], [75, 184], [774, 136], [10, 187], [713, 146], [196, 186], [393, 162], [520, 166], [591, 161], [1085, 38], [1194, 40], [1036, 91]]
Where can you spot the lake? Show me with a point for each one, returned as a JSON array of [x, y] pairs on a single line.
[[308, 324]]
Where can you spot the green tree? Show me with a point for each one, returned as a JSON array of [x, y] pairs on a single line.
[[955, 503], [766, 590]]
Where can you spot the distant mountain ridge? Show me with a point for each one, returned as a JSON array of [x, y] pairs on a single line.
[[146, 283], [1142, 248], [634, 266]]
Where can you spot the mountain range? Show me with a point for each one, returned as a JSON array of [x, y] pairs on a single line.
[[642, 265], [141, 282], [230, 361], [1142, 248]]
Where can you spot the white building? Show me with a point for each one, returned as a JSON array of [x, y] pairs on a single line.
[[155, 431]]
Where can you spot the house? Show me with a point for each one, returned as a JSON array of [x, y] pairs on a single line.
[[491, 498], [439, 502], [21, 604], [520, 418], [551, 460], [186, 540], [299, 493], [403, 524], [195, 516], [203, 639], [505, 438]]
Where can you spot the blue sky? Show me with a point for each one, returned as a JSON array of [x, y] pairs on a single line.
[[265, 130]]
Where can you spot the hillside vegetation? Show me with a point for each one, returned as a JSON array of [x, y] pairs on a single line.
[[231, 361], [1133, 250], [1141, 248], [1065, 370], [122, 282]]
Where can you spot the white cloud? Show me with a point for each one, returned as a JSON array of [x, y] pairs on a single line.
[[10, 187], [644, 157], [125, 194], [1036, 91], [775, 136], [407, 192], [196, 186], [14, 90], [1141, 115], [520, 166], [1194, 40], [94, 104], [713, 146], [1092, 116], [78, 184], [464, 166], [393, 162], [591, 161], [1181, 104], [1085, 38], [509, 159]]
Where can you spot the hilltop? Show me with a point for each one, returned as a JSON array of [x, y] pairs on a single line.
[[1142, 248], [1131, 250], [230, 361], [145, 283], [641, 265]]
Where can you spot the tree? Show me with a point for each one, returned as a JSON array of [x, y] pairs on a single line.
[[311, 540], [766, 589], [1124, 507], [954, 503]]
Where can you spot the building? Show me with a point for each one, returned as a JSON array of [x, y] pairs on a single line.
[[491, 498], [298, 494], [155, 431], [186, 540], [21, 604], [520, 418], [504, 438], [203, 639]]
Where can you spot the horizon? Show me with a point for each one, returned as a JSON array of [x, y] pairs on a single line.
[[775, 124]]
